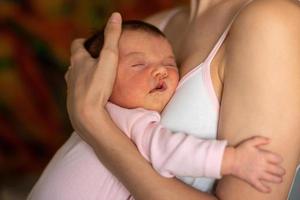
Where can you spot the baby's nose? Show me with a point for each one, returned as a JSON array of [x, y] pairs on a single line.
[[160, 72]]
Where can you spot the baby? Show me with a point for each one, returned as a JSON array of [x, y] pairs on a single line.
[[146, 80]]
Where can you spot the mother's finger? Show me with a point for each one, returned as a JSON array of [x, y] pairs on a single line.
[[112, 31], [76, 45], [101, 80], [110, 51], [79, 54], [108, 59]]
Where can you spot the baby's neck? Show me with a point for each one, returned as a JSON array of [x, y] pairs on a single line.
[[159, 111]]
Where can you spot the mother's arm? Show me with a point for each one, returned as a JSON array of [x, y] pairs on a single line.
[[89, 87], [262, 89]]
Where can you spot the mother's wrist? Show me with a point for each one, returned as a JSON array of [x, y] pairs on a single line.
[[88, 121], [90, 114]]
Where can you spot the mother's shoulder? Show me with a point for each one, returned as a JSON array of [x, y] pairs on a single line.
[[268, 6], [268, 11], [262, 30], [272, 18]]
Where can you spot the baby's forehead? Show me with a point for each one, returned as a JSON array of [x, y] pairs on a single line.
[[147, 45], [143, 32], [142, 37]]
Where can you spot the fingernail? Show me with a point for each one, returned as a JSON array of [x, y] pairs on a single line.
[[115, 17]]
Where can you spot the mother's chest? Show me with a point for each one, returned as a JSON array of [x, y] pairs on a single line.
[[192, 109]]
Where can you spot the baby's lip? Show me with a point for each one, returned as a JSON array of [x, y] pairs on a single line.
[[160, 87]]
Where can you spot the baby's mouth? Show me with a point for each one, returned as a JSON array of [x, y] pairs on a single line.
[[160, 87]]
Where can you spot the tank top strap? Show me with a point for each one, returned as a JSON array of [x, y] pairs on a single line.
[[220, 41], [166, 20], [217, 46]]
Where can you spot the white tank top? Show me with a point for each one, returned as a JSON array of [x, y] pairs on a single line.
[[194, 108]]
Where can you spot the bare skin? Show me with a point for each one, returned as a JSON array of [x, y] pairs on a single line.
[[268, 100], [256, 76], [231, 60]]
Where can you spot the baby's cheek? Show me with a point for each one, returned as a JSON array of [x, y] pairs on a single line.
[[174, 81], [134, 96], [143, 85], [176, 76]]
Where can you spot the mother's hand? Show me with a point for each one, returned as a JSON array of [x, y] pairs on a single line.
[[90, 81]]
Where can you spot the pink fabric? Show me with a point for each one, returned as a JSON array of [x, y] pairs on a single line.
[[76, 173], [171, 154]]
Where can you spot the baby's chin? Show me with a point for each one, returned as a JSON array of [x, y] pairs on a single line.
[[158, 107], [159, 110]]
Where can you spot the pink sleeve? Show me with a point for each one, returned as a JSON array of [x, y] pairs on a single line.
[[171, 154], [125, 118]]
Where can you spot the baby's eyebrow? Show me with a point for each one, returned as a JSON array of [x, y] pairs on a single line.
[[168, 58], [134, 53], [171, 57]]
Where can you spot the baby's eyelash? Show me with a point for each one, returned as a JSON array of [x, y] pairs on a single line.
[[137, 65], [171, 65]]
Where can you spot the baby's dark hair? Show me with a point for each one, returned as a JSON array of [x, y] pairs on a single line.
[[95, 43]]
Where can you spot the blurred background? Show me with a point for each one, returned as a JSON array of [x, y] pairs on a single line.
[[35, 36]]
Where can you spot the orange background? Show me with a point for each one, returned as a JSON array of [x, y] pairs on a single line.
[[35, 36]]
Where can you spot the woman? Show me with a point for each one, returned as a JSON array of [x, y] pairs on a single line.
[[250, 68]]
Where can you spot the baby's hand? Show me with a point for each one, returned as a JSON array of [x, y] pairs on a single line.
[[256, 165]]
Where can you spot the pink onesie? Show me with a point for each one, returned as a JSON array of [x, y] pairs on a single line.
[[76, 173]]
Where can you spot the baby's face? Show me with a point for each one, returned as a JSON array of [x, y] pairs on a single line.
[[147, 73]]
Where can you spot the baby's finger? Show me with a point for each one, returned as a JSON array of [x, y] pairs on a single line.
[[271, 178], [276, 170], [262, 187], [259, 141], [273, 157]]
